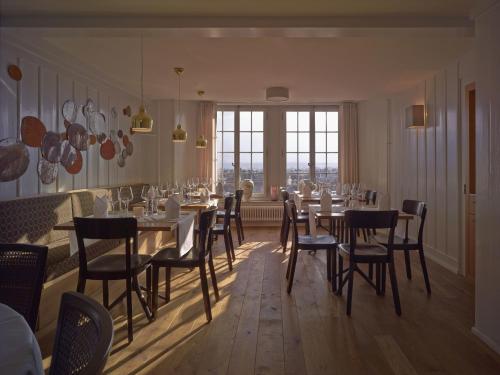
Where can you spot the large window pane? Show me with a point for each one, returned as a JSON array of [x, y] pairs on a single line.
[[332, 119], [291, 121], [320, 121], [304, 163], [258, 121], [245, 121], [303, 142], [320, 142], [219, 142], [228, 141], [258, 142], [304, 121], [332, 140], [245, 142], [228, 121], [320, 163], [291, 142], [219, 121], [258, 162]]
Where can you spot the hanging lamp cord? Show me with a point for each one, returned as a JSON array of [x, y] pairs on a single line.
[[179, 100], [142, 70]]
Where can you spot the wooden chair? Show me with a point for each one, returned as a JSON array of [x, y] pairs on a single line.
[[371, 253], [84, 336], [198, 256], [224, 229], [308, 242], [22, 272], [285, 223], [236, 216], [114, 266], [419, 209]]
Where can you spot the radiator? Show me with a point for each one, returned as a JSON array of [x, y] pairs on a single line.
[[261, 213]]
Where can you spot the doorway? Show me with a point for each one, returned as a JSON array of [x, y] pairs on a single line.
[[470, 185]]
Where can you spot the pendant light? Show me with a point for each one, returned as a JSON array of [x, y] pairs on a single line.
[[179, 135], [201, 142], [142, 122]]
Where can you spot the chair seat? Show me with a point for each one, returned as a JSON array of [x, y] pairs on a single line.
[[368, 250], [171, 256], [321, 241], [218, 228], [115, 263], [302, 218], [399, 242]]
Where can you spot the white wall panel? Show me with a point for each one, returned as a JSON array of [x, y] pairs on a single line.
[[64, 92], [93, 151]]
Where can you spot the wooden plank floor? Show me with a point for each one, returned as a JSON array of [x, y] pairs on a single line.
[[259, 329]]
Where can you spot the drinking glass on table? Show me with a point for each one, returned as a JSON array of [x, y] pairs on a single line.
[[125, 195], [113, 200], [163, 189]]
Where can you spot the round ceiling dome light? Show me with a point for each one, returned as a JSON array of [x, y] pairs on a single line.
[[277, 94]]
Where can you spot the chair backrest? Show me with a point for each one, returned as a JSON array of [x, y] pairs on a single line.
[[361, 219], [22, 272], [291, 210], [228, 205], [239, 197], [370, 197], [417, 208], [285, 195], [206, 222], [84, 336], [107, 228]]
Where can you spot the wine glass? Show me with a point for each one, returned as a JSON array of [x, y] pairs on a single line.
[[163, 189], [126, 195], [112, 199]]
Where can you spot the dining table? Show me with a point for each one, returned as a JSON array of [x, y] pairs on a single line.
[[19, 350], [196, 205]]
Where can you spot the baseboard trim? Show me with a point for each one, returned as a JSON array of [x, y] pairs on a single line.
[[442, 259], [487, 340]]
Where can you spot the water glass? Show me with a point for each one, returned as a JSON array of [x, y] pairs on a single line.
[[125, 195]]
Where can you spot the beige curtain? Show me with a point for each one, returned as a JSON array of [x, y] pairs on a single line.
[[206, 127], [348, 121]]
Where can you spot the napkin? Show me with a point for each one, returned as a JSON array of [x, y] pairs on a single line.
[[326, 201], [306, 191], [312, 220], [172, 208], [383, 201], [101, 206], [185, 230], [204, 195], [219, 189]]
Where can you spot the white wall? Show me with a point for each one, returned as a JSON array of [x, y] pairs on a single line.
[[487, 325], [46, 84], [422, 164]]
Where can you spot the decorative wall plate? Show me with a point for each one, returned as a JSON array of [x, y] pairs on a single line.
[[125, 140], [92, 139], [114, 114], [99, 123], [112, 135], [69, 111], [120, 133], [51, 147], [68, 154], [32, 131], [124, 153], [14, 72], [121, 161], [78, 136], [101, 138], [89, 109], [130, 148], [47, 171], [107, 150], [118, 147], [67, 124], [14, 159], [76, 167], [127, 111]]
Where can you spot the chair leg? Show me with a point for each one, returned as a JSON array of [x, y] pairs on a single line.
[[408, 264], [350, 284], [328, 265], [168, 273], [289, 266], [424, 270], [378, 278], [238, 230], [228, 251], [241, 228], [156, 272], [365, 235], [204, 289], [333, 259], [340, 275], [213, 277], [383, 278], [105, 294], [394, 287], [294, 253], [80, 288], [370, 271], [148, 285], [286, 234], [129, 310], [231, 243]]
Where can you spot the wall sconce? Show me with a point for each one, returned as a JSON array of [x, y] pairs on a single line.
[[415, 116]]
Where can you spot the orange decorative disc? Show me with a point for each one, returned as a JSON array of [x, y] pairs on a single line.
[[32, 131], [64, 136], [108, 150], [14, 72], [92, 139], [125, 140], [76, 167]]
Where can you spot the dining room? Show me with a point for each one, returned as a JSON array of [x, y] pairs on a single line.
[[249, 187]]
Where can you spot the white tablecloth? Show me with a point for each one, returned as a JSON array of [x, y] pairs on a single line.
[[19, 350]]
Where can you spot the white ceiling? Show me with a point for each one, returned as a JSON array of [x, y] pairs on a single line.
[[323, 50]]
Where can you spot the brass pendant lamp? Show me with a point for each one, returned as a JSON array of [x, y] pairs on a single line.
[[179, 135], [201, 142], [142, 122]]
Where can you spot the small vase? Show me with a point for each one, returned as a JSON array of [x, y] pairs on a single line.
[[247, 186], [274, 193]]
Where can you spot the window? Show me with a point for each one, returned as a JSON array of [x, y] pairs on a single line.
[[226, 149], [252, 148], [326, 147], [297, 147], [312, 147], [240, 148]]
